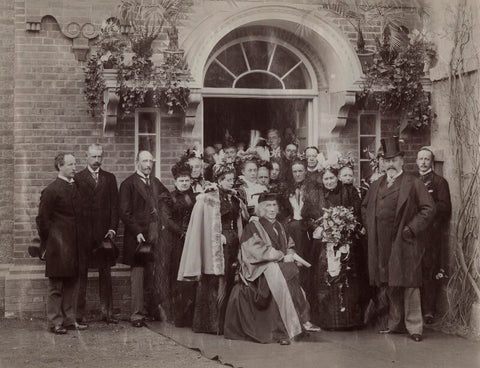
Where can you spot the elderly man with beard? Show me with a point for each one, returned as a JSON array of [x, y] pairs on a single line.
[[396, 210], [140, 196], [433, 269]]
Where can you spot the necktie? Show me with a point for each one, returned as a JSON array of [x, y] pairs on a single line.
[[147, 181], [297, 195], [95, 176], [390, 182]]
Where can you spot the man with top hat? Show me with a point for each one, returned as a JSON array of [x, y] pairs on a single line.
[[99, 195], [433, 270], [395, 212]]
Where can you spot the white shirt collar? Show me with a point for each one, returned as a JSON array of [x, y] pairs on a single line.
[[395, 176], [426, 172], [60, 176], [93, 171], [142, 175]]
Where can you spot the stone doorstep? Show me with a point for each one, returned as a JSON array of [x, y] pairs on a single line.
[[35, 272], [18, 301]]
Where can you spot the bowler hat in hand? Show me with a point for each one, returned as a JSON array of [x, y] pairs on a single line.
[[391, 147]]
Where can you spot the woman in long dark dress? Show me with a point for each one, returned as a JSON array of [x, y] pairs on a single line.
[[182, 293], [336, 299]]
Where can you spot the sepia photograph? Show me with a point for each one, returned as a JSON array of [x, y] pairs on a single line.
[[240, 183]]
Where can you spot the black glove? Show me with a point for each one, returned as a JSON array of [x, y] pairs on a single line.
[[407, 234]]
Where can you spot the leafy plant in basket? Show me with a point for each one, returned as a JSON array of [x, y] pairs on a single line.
[[138, 79], [394, 80], [109, 55]]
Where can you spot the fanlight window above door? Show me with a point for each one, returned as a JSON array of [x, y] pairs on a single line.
[[257, 64]]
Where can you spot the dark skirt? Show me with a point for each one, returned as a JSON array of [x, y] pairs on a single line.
[[210, 302], [252, 313], [159, 272], [298, 231], [182, 292], [335, 304]]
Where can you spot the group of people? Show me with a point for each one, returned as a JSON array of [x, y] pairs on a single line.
[[260, 244]]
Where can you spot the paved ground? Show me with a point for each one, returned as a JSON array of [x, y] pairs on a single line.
[[28, 344], [347, 349]]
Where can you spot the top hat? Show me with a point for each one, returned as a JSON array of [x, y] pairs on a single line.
[[391, 147]]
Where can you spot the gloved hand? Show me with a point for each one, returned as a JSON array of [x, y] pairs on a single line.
[[288, 258], [110, 234], [407, 234], [317, 233]]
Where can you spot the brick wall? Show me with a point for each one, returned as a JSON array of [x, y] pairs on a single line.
[[39, 72], [7, 47]]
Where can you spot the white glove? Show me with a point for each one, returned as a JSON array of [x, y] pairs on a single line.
[[317, 233], [288, 258]]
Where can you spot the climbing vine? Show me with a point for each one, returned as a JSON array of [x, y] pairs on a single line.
[[463, 286]]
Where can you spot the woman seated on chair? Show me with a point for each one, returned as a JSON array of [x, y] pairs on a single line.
[[267, 304]]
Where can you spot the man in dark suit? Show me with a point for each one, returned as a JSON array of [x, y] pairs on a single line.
[[140, 194], [99, 195], [396, 210], [274, 140], [58, 228], [433, 269]]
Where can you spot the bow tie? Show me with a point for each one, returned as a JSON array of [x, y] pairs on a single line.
[[196, 181], [275, 153]]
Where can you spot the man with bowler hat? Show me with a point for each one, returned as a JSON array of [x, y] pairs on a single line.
[[433, 269], [395, 212]]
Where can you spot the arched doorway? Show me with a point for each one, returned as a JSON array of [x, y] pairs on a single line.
[[257, 83]]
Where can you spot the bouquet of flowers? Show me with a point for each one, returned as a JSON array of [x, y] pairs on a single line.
[[336, 225], [335, 229]]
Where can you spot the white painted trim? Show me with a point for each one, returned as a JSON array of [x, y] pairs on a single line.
[[157, 136], [258, 93], [253, 71], [206, 31], [276, 41]]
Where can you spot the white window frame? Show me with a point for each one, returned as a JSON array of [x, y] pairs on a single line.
[[378, 132], [156, 134]]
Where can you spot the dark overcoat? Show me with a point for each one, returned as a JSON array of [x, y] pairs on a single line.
[[136, 212], [59, 228], [99, 209], [415, 209], [436, 256]]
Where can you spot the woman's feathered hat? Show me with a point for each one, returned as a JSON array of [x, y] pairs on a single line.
[[346, 160], [191, 153], [250, 155], [221, 169]]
